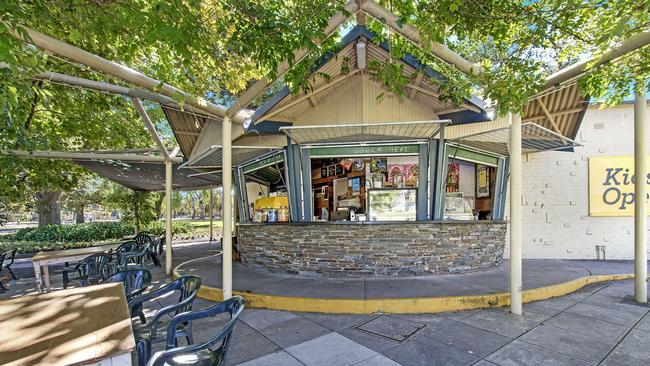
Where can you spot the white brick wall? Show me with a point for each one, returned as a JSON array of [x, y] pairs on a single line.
[[556, 221]]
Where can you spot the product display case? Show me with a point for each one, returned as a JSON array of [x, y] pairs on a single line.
[[397, 204]]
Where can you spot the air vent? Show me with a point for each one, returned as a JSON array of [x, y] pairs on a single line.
[[599, 126]]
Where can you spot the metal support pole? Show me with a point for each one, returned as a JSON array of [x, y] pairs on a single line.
[[211, 214], [168, 217], [226, 240], [641, 201], [515, 214]]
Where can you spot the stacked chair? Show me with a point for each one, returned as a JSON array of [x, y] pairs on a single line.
[[89, 271], [154, 330], [168, 324], [214, 351]]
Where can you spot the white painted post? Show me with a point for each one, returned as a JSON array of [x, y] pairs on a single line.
[[211, 214], [515, 214], [168, 217], [226, 181], [641, 203]]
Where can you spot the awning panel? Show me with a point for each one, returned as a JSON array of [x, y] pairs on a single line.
[[149, 176], [211, 158], [534, 138], [419, 130]]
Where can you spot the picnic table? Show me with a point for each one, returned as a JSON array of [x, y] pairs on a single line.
[[80, 326], [42, 260]]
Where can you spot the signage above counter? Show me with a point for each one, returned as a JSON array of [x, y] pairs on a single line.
[[611, 186], [364, 150]]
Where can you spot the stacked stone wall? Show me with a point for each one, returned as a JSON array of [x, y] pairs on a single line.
[[366, 250]]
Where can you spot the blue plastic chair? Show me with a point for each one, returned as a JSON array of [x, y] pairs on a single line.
[[134, 257], [144, 238], [89, 271], [135, 281], [10, 256], [200, 354], [148, 333], [2, 285]]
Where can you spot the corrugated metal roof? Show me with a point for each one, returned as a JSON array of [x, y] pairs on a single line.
[[187, 126], [417, 130], [534, 138], [566, 107]]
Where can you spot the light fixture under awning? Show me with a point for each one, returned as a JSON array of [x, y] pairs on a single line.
[[366, 132], [534, 138]]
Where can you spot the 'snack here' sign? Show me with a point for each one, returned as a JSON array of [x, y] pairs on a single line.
[[611, 186]]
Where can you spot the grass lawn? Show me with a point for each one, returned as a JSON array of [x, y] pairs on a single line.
[[204, 224]]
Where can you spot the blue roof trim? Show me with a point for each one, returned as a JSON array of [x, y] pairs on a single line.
[[465, 117], [351, 36], [268, 127]]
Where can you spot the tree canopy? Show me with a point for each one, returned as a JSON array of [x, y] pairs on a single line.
[[216, 48]]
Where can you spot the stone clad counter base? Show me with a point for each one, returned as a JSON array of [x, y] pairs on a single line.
[[356, 249]]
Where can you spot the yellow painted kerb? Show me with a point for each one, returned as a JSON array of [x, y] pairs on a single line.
[[402, 305]]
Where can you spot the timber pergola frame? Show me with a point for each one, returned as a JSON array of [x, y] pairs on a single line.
[[359, 8]]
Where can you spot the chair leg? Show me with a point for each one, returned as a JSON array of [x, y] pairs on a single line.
[[143, 349], [66, 281], [11, 271], [188, 334]]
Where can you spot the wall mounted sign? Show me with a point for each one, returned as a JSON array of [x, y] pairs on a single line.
[[367, 150], [611, 186], [472, 156], [264, 162]]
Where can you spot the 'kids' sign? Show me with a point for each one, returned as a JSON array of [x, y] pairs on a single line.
[[611, 186]]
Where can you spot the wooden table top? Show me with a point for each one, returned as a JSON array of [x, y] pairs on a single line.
[[68, 327], [69, 253]]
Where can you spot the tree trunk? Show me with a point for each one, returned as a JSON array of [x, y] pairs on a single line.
[[193, 206], [136, 214], [79, 214], [48, 208], [158, 205]]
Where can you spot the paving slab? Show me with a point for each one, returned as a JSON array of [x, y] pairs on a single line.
[[520, 353], [390, 327], [375, 343], [332, 349], [248, 344], [569, 342], [500, 322], [432, 322], [423, 351], [474, 341], [588, 326], [280, 358], [377, 360], [608, 314], [634, 350], [262, 318], [644, 324], [293, 331], [336, 321]]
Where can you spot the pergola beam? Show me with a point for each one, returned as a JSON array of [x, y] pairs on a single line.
[[574, 71], [554, 114], [416, 82], [152, 129], [439, 50], [261, 85], [114, 69], [550, 118], [88, 156]]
